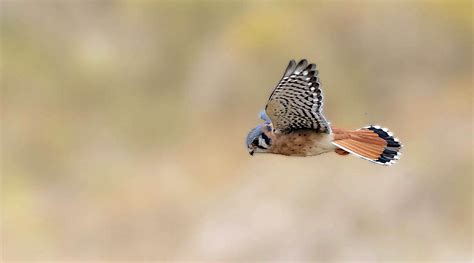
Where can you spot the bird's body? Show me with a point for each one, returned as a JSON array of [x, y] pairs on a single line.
[[295, 126], [303, 142]]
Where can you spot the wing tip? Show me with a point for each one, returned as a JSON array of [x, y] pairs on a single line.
[[301, 66]]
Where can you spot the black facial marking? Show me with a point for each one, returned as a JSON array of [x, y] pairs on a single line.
[[267, 139]]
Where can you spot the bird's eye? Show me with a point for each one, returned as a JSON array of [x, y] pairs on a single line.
[[255, 142]]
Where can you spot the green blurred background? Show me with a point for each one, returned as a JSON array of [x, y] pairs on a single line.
[[123, 127]]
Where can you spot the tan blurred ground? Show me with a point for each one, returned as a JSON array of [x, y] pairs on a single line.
[[123, 129]]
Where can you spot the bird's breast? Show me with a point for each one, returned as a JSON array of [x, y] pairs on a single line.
[[302, 143]]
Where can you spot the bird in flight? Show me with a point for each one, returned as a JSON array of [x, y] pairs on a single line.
[[294, 124]]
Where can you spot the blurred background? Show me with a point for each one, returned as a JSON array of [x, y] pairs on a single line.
[[123, 127]]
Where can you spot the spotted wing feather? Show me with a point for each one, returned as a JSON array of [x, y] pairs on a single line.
[[296, 102]]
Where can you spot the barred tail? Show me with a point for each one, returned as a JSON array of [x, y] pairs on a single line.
[[372, 143]]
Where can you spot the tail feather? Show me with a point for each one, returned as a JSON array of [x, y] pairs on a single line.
[[362, 147], [363, 151], [372, 143]]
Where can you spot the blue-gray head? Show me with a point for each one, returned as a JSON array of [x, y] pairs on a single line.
[[258, 139]]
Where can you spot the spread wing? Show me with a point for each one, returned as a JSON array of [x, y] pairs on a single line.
[[296, 102]]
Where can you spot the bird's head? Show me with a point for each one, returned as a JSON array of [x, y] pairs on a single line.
[[259, 139]]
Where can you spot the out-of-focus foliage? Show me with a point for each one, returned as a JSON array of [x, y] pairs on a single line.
[[123, 127]]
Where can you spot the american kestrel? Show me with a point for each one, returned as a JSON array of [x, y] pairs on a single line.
[[294, 124]]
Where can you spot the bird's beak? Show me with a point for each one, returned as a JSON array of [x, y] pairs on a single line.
[[251, 152]]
